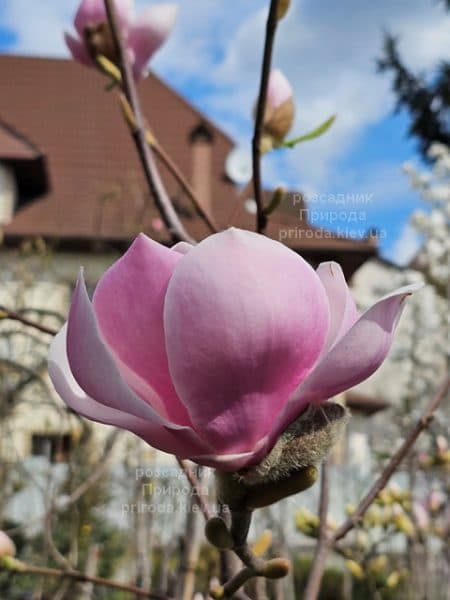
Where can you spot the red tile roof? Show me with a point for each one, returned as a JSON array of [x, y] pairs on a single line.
[[14, 146], [97, 189]]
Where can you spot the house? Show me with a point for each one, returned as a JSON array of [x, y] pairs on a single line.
[[64, 141], [96, 192]]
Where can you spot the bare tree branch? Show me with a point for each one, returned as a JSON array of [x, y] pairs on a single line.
[[157, 189], [329, 541], [272, 21], [17, 567], [395, 461], [323, 543], [167, 161], [12, 315]]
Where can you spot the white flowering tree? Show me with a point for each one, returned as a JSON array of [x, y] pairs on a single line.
[[433, 224]]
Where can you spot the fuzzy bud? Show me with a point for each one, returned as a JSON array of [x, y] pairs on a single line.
[[355, 569], [283, 7], [262, 544], [305, 442], [218, 535], [378, 564], [393, 580], [405, 525], [217, 592], [276, 568], [307, 522]]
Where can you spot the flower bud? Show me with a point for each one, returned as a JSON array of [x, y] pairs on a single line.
[[217, 534], [276, 568], [268, 493], [441, 443], [378, 564], [217, 592], [283, 7], [7, 547], [393, 580], [362, 540], [355, 569], [405, 525], [307, 522], [262, 544], [280, 108], [305, 442], [99, 42]]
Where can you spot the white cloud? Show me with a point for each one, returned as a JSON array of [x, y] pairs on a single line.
[[38, 25], [406, 246]]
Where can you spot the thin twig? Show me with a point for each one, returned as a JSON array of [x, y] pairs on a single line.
[[19, 568], [196, 488], [323, 543], [394, 462], [271, 26], [186, 187], [12, 315], [157, 189], [167, 161], [75, 495]]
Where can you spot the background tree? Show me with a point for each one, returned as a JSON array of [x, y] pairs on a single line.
[[425, 96]]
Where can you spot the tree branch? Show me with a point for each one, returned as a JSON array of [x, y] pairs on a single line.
[[157, 189], [12, 315], [271, 26], [167, 161], [394, 462], [330, 541], [15, 566], [323, 543]]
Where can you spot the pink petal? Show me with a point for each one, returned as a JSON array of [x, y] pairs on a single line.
[[92, 12], [279, 89], [343, 312], [245, 321], [128, 304], [92, 364], [234, 462], [149, 32], [353, 359], [181, 441], [77, 49], [182, 247]]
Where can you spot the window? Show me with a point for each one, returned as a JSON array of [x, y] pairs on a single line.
[[56, 448]]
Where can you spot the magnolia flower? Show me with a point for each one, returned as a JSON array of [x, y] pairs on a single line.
[[7, 547], [210, 351], [143, 35], [279, 115]]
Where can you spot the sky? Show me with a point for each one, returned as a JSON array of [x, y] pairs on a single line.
[[328, 51]]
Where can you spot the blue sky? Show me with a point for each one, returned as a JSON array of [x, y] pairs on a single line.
[[328, 52]]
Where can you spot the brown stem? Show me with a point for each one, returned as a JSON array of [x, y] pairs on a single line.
[[19, 567], [237, 581], [165, 158], [187, 188], [196, 487], [323, 543], [157, 189], [394, 462], [12, 315], [271, 26], [329, 542]]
